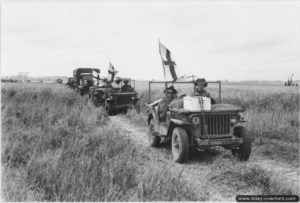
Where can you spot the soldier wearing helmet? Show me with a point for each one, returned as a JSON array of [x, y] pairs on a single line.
[[126, 87], [200, 84], [106, 83], [170, 94]]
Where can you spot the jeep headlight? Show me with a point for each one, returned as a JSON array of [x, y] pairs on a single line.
[[233, 120], [195, 120]]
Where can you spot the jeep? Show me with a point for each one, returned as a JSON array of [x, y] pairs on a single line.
[[112, 98], [200, 129]]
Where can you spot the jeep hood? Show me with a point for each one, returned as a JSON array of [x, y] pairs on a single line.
[[214, 108]]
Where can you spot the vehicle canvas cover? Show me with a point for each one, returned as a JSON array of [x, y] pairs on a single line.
[[78, 71]]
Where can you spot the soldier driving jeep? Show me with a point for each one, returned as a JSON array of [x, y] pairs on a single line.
[[126, 87], [200, 84]]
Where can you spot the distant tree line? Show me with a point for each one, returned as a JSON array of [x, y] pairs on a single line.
[[13, 80]]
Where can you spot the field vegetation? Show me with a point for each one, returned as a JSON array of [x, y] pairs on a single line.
[[56, 146]]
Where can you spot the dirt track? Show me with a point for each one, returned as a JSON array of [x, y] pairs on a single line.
[[202, 171]]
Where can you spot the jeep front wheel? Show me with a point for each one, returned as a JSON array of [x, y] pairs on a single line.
[[95, 100], [108, 109], [154, 139], [180, 145], [244, 150]]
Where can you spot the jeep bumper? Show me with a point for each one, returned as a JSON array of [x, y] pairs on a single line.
[[123, 106], [219, 142]]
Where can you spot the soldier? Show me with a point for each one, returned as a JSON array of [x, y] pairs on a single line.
[[200, 84], [170, 94], [106, 83], [126, 87]]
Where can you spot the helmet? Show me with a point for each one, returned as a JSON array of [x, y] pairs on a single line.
[[201, 81], [171, 88]]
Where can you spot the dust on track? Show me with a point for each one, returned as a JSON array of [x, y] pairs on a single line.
[[201, 170]]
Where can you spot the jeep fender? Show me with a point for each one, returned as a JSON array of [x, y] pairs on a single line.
[[178, 123], [150, 116]]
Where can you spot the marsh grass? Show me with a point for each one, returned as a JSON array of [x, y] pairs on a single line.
[[56, 146]]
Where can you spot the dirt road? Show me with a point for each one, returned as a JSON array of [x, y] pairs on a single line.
[[217, 175]]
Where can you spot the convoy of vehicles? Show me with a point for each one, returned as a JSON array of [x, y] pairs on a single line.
[[109, 94], [199, 129]]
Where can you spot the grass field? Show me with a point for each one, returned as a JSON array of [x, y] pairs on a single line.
[[56, 146]]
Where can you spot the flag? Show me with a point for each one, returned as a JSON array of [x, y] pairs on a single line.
[[168, 63], [112, 72]]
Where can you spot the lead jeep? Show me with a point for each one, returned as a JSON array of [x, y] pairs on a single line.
[[113, 99], [201, 129]]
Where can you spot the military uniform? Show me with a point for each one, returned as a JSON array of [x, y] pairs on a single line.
[[163, 104], [163, 108], [126, 88], [201, 91]]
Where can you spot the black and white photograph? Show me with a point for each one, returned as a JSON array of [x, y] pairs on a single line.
[[142, 101]]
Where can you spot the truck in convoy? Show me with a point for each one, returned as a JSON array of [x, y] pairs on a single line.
[[84, 78], [71, 83]]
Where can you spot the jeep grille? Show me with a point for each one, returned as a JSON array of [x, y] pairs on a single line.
[[217, 124], [124, 99]]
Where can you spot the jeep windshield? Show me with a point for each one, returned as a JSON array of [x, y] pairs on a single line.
[[87, 77]]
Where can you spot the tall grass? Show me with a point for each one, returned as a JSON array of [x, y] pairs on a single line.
[[56, 146], [250, 179]]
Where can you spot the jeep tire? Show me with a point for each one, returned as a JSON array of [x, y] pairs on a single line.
[[154, 139], [95, 100], [180, 145], [244, 150], [108, 109]]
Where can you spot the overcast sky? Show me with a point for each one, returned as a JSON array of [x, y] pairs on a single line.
[[234, 40]]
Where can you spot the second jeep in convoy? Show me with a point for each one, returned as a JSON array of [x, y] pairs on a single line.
[[111, 96]]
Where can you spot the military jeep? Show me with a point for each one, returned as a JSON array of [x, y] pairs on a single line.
[[110, 96], [200, 130]]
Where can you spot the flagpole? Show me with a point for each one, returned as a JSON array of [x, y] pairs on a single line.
[[162, 61]]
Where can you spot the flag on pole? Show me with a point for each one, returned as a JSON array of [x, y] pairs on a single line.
[[112, 72], [168, 63]]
